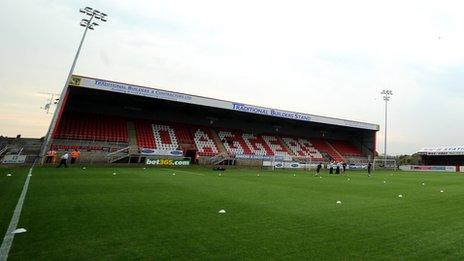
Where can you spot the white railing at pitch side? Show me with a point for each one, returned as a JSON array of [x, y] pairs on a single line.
[[118, 151], [118, 157], [119, 154], [219, 158]]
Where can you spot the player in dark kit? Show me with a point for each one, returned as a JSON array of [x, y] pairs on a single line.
[[337, 168], [318, 169], [369, 168]]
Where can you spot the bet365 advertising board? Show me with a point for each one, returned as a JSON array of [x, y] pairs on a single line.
[[167, 162]]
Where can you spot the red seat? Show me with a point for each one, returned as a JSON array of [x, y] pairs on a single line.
[[92, 127], [144, 135]]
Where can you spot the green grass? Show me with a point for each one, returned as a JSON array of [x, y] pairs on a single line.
[[10, 189], [151, 214]]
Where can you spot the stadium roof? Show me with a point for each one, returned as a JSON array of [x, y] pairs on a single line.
[[443, 151], [118, 87]]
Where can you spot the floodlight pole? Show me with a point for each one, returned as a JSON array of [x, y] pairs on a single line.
[[59, 107], [386, 97]]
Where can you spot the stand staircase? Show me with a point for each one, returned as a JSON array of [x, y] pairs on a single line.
[[222, 158], [132, 137]]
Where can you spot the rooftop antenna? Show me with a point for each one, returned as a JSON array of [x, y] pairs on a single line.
[[52, 100]]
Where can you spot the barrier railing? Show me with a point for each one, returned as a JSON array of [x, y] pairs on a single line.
[[219, 158], [119, 154]]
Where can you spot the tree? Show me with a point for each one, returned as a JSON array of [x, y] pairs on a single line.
[[414, 159]]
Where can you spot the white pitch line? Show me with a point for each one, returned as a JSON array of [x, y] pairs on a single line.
[[9, 236]]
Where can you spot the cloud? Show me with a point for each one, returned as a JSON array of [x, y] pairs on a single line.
[[330, 58]]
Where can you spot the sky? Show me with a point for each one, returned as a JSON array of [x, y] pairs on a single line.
[[330, 58]]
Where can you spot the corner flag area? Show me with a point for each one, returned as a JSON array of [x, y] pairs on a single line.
[[107, 213]]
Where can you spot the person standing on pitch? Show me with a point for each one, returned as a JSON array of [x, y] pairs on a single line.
[[344, 167], [50, 156], [197, 158], [318, 169], [63, 160], [369, 168], [331, 167], [75, 155], [337, 167]]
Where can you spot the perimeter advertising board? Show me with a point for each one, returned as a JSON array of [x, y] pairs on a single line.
[[174, 153], [288, 165], [167, 162], [428, 168]]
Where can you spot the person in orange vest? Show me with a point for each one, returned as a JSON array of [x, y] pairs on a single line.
[[50, 156], [75, 154], [54, 153]]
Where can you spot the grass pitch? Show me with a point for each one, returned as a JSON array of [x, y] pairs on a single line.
[[10, 189], [151, 214]]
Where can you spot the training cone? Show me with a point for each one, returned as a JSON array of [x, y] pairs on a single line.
[[222, 211], [339, 202]]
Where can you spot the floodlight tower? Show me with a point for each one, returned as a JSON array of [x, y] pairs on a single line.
[[89, 23], [386, 97]]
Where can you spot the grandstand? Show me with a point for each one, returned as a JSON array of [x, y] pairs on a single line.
[[443, 156], [102, 118]]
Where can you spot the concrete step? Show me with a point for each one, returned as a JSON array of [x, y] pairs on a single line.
[[132, 137]]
